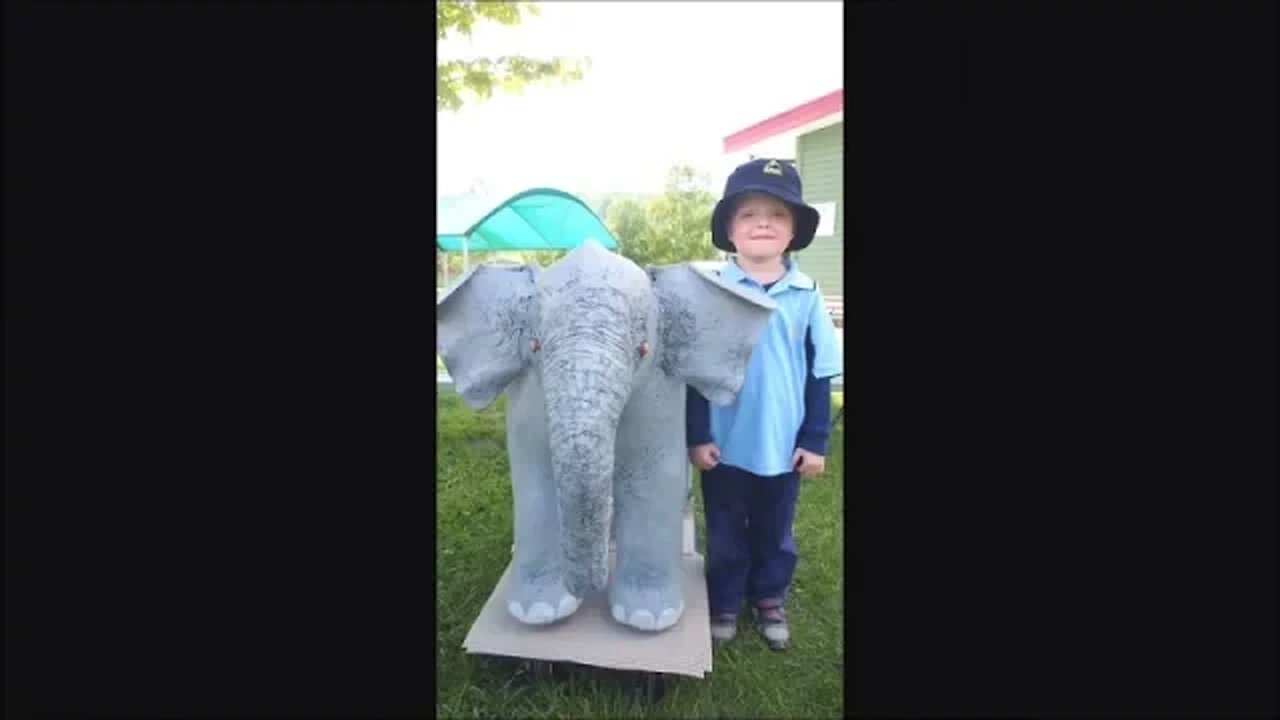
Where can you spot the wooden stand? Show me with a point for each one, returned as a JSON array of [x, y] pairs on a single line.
[[591, 637]]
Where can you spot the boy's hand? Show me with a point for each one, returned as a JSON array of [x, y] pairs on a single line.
[[704, 457], [809, 464]]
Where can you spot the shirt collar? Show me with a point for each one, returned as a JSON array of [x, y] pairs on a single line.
[[793, 277]]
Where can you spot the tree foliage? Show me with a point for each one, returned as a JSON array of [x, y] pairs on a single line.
[[674, 227], [480, 77]]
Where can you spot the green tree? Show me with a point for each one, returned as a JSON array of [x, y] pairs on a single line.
[[541, 258], [674, 227], [479, 78], [630, 227]]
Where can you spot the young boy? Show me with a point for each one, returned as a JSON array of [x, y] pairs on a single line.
[[753, 452]]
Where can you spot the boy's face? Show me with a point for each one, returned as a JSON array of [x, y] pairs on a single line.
[[761, 227]]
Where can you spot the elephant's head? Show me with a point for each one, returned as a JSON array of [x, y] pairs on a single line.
[[593, 322]]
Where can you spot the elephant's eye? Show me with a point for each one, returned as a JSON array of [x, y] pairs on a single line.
[[643, 349], [535, 346]]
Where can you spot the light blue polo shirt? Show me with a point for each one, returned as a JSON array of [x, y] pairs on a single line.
[[758, 431]]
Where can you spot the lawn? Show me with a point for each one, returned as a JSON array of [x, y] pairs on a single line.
[[474, 540]]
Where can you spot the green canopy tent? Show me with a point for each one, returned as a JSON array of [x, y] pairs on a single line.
[[536, 219]]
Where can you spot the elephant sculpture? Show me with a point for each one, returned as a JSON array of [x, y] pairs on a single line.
[[595, 353]]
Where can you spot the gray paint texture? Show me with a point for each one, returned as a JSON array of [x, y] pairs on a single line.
[[595, 353]]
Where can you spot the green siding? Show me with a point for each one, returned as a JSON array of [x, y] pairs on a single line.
[[820, 160]]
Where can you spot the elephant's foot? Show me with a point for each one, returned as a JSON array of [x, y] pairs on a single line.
[[646, 608], [541, 602]]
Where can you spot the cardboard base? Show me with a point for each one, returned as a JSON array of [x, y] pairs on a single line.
[[592, 637]]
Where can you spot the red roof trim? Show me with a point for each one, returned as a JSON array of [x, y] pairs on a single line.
[[813, 110]]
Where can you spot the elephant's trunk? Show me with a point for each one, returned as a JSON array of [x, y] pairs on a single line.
[[584, 405]]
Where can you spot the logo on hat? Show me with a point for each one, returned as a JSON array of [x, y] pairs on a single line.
[[772, 168]]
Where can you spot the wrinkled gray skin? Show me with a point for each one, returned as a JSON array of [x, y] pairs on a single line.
[[595, 430]]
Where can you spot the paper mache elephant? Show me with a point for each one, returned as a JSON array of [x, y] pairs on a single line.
[[595, 353]]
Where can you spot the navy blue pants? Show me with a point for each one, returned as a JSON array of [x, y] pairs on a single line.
[[751, 553]]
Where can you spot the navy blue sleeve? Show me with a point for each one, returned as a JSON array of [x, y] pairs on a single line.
[[816, 428], [697, 418]]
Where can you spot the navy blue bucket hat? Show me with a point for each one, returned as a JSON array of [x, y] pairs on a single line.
[[771, 177]]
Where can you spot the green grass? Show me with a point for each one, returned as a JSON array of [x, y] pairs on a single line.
[[474, 535]]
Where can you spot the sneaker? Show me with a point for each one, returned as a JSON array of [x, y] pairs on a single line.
[[724, 627], [772, 623]]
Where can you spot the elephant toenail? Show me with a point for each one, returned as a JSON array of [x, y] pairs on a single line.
[[669, 617], [540, 613], [568, 604], [643, 619]]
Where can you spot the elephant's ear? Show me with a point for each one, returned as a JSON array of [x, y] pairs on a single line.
[[707, 329], [483, 329]]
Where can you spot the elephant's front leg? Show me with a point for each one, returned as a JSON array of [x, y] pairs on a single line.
[[538, 595], [649, 494]]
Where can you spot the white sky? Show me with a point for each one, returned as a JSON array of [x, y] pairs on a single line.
[[668, 81]]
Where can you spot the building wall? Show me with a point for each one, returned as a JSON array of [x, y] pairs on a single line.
[[820, 160]]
